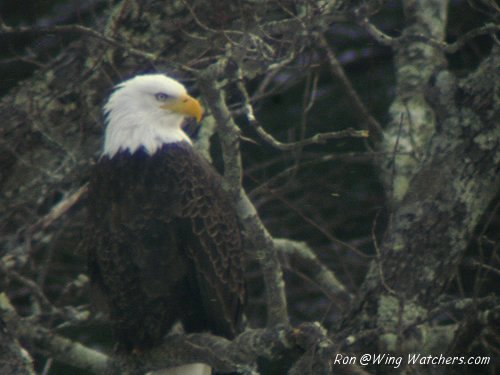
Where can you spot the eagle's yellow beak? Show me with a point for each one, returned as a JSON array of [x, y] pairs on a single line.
[[185, 105]]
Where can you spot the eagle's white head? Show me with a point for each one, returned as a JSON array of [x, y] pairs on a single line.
[[147, 111]]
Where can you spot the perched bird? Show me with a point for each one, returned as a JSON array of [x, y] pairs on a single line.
[[162, 238]]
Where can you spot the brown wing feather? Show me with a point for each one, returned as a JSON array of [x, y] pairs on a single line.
[[211, 238], [163, 244]]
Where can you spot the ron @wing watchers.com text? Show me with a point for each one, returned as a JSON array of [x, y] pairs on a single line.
[[369, 359]]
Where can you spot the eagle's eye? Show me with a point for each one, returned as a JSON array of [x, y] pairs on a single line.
[[161, 96]]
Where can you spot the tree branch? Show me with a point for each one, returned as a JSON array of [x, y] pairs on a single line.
[[337, 71], [228, 132], [79, 29], [396, 42], [242, 353], [302, 259], [266, 254], [61, 348], [60, 209], [441, 192], [14, 359], [315, 139]]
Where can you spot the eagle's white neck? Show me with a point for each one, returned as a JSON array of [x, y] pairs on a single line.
[[130, 129]]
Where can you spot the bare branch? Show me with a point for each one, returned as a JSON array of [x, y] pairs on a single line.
[[319, 138], [228, 131], [389, 41], [32, 286], [65, 29], [315, 139], [262, 240], [376, 33], [14, 359], [337, 71], [460, 42], [60, 209], [61, 348], [242, 353], [302, 259]]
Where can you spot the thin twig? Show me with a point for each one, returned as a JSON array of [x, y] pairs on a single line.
[[64, 29], [376, 33], [378, 258], [319, 138], [59, 347], [460, 42], [337, 71], [389, 41], [32, 286], [60, 209], [315, 139]]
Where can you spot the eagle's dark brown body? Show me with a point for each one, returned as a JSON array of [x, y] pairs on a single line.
[[163, 245]]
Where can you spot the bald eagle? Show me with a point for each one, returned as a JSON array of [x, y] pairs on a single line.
[[163, 241]]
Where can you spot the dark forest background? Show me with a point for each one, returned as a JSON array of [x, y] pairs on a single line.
[[342, 200]]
